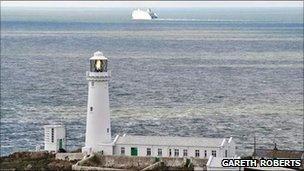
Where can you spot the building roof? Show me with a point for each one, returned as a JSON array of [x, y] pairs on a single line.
[[170, 141], [98, 55], [272, 153], [54, 126]]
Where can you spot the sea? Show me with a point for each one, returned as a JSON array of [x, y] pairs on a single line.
[[200, 72]]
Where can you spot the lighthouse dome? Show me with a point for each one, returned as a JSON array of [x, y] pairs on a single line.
[[98, 56]]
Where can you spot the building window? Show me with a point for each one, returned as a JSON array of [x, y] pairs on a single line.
[[92, 83], [205, 153], [122, 150], [108, 130], [170, 152], [148, 151], [226, 153], [52, 137], [197, 153], [159, 152], [91, 108], [213, 153], [185, 152], [176, 152]]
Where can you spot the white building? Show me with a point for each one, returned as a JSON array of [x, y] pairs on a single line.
[[98, 128], [163, 146], [54, 138]]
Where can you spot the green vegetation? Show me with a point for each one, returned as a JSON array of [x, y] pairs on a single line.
[[33, 161], [187, 162], [156, 159]]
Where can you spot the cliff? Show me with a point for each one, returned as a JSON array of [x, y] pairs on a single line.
[[33, 161]]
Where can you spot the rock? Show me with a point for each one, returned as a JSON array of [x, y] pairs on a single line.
[[59, 165], [31, 155], [33, 161], [29, 167]]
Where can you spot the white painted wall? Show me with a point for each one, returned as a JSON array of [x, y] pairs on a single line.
[[142, 151], [98, 128], [59, 133], [231, 147]]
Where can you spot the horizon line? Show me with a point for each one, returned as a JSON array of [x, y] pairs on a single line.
[[152, 4]]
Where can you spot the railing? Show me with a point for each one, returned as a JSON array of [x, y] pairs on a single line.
[[98, 76]]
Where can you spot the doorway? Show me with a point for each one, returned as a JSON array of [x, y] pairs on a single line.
[[60, 144], [134, 151]]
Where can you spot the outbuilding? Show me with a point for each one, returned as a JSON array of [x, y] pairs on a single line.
[[54, 138], [166, 146]]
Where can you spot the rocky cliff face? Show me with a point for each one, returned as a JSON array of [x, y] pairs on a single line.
[[33, 161], [140, 163]]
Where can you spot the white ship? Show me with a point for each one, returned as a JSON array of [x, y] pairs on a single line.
[[143, 15]]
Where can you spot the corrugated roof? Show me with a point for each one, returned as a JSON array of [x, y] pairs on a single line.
[[169, 141]]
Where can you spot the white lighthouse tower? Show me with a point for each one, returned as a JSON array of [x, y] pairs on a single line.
[[98, 126]]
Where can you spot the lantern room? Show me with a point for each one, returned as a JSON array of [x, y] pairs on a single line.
[[98, 63]]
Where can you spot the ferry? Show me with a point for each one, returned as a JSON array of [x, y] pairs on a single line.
[[143, 15]]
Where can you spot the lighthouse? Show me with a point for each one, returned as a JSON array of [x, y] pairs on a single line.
[[98, 126]]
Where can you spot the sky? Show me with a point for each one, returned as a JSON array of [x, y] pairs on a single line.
[[150, 4]]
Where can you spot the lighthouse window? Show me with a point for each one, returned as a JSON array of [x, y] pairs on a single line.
[[108, 130], [91, 108], [148, 151], [52, 135], [92, 83], [170, 152], [105, 66], [226, 153], [205, 153], [98, 66], [197, 153], [176, 152]]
